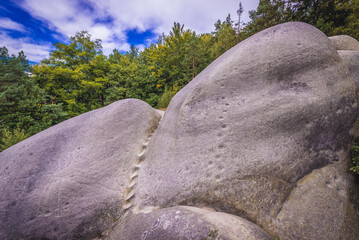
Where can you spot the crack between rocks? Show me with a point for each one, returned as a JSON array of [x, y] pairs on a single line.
[[129, 195], [295, 184]]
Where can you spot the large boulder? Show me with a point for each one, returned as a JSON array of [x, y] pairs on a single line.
[[71, 180], [351, 59], [262, 133], [184, 222], [345, 42], [348, 49], [350, 56]]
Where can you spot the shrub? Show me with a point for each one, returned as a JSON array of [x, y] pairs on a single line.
[[10, 138], [167, 96], [355, 156]]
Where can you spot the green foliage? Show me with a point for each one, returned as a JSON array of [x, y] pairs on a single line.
[[22, 102], [355, 156], [333, 17], [166, 97], [225, 37], [132, 78], [81, 50], [267, 14], [77, 77], [213, 234], [9, 138]]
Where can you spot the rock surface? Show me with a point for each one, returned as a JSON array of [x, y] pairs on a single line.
[[351, 59], [345, 42], [261, 136], [187, 223], [68, 182], [255, 132]]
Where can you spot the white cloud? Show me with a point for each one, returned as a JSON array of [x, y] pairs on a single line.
[[108, 47], [33, 52], [199, 15], [141, 47], [7, 23], [69, 16]]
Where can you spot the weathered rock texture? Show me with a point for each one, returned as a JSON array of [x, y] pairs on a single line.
[[345, 42], [262, 133], [69, 181], [187, 223], [350, 57]]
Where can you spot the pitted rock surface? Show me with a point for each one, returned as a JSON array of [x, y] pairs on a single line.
[[246, 133], [68, 181], [185, 222], [351, 59], [261, 136], [345, 42]]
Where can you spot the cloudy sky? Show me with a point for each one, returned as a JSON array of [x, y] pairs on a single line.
[[34, 25]]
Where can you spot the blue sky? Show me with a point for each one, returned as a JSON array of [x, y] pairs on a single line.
[[34, 25]]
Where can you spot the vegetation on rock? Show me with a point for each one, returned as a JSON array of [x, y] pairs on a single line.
[[355, 156]]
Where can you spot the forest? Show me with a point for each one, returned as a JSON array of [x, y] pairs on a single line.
[[77, 77]]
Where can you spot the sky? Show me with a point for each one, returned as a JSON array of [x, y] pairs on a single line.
[[33, 26]]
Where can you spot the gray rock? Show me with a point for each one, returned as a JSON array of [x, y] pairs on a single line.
[[69, 181], [247, 133], [351, 59], [186, 223], [324, 205], [345, 42]]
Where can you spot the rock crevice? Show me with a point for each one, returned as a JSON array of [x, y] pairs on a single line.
[[130, 190]]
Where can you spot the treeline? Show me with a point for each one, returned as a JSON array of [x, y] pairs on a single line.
[[333, 17], [77, 77]]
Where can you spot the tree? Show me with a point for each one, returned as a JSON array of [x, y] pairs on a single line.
[[80, 50], [225, 37], [239, 13], [23, 107], [133, 53], [267, 14], [333, 17], [75, 74], [130, 77]]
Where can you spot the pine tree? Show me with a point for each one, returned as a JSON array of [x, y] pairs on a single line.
[[239, 13], [23, 108]]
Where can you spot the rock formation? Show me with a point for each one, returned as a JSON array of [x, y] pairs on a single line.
[[345, 42], [261, 136], [187, 223], [348, 49], [351, 58], [71, 180], [262, 133]]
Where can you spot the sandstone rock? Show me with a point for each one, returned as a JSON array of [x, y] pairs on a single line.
[[345, 42], [250, 133], [69, 181], [351, 59], [186, 223]]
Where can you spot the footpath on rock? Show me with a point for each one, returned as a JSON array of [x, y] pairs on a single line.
[[257, 146]]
